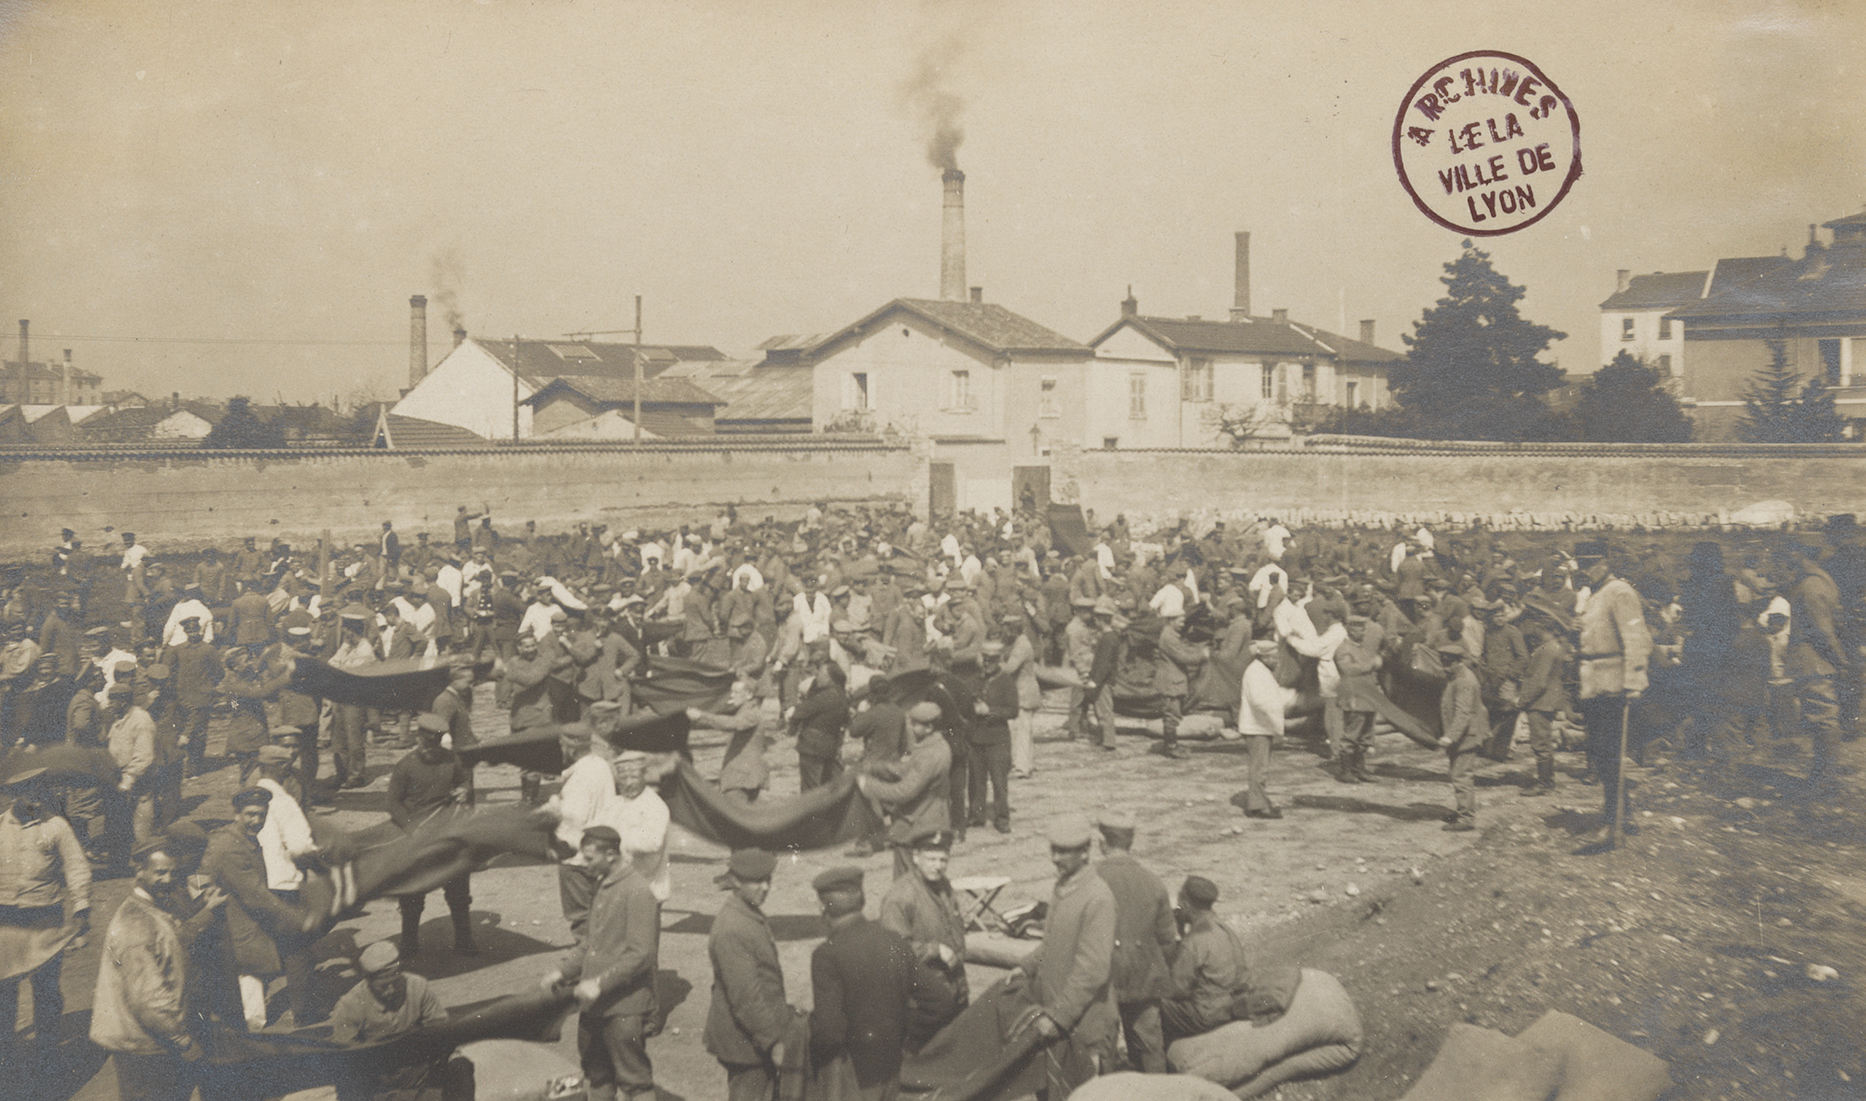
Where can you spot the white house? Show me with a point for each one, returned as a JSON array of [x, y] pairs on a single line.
[[1633, 319], [1164, 382], [482, 385], [991, 389]]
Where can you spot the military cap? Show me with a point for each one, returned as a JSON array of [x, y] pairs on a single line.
[[377, 958], [993, 648], [274, 755], [1359, 618], [99, 632], [355, 613], [751, 865], [845, 878], [431, 722], [23, 777], [1082, 602], [926, 711], [1200, 891], [1116, 820], [1590, 549], [251, 797], [1106, 606], [1070, 833], [158, 671], [932, 837], [606, 836], [1450, 650]]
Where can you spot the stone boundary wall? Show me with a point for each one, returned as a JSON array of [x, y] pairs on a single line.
[[1536, 487], [178, 500]]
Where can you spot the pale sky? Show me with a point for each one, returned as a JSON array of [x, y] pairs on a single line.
[[291, 173]]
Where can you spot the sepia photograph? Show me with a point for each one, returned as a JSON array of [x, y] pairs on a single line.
[[945, 550]]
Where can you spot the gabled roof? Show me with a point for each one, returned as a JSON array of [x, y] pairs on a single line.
[[308, 420], [539, 361], [1255, 336], [1660, 290], [412, 433], [986, 325], [754, 391], [1849, 220], [604, 391], [142, 417]]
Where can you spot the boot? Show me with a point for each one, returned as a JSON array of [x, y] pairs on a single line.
[[1358, 762], [531, 789], [1341, 767], [463, 934], [1545, 776], [411, 934]]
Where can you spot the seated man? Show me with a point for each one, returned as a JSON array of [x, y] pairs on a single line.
[[387, 1004], [1209, 969]]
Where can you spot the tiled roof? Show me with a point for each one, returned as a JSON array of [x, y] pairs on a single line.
[[606, 391], [1849, 220], [1661, 289], [753, 391], [415, 433], [986, 324], [1257, 336], [539, 361], [1767, 287]]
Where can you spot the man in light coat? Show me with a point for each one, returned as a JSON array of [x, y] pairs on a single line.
[[1615, 647]]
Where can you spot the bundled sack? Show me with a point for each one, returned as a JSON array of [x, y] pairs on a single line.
[[1596, 1065], [1129, 1085], [1318, 1033], [1478, 1064]]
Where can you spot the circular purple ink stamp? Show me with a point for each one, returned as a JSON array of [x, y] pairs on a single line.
[[1486, 144]]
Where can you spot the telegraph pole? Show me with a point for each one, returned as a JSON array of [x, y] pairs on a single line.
[[638, 371], [515, 362]]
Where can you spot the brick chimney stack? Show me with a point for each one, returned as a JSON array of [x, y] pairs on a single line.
[[417, 340], [1367, 332], [1240, 300], [25, 344], [952, 238]]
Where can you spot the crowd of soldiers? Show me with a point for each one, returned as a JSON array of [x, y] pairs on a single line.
[[919, 653]]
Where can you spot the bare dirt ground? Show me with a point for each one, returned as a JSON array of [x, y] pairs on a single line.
[[1692, 941]]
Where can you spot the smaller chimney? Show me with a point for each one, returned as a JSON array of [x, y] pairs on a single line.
[[1280, 315], [174, 400], [1367, 332], [1622, 279], [459, 335], [1240, 300], [978, 294], [1130, 306], [417, 340], [25, 345], [64, 397]]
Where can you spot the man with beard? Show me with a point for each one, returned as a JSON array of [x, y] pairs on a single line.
[[386, 1004], [140, 1010], [921, 907], [45, 888]]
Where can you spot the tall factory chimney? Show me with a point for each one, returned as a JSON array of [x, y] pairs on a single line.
[[952, 238], [417, 340], [1240, 300], [24, 344]]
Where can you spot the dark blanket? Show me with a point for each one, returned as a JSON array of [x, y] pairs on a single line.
[[405, 684], [540, 749], [988, 1053], [1070, 531], [667, 685], [258, 1064], [832, 815], [382, 860], [63, 764]]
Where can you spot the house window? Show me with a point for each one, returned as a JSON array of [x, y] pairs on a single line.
[[1353, 390], [1196, 383], [1665, 328], [1137, 396], [1626, 328], [1665, 366], [961, 396], [1109, 443], [1046, 399], [1830, 358], [1308, 382], [1269, 381], [858, 391]]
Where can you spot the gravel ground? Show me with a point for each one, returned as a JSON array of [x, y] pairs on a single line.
[[1693, 941]]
